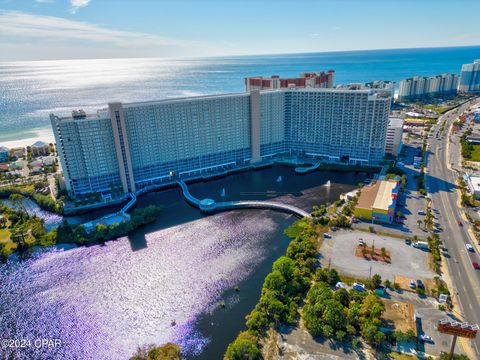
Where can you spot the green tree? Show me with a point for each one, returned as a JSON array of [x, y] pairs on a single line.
[[17, 201], [169, 351], [374, 282], [245, 347], [341, 295]]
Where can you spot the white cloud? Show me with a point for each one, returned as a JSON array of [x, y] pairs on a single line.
[[55, 32], [77, 4], [17, 23]]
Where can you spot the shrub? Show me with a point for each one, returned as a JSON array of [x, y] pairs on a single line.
[[168, 351], [244, 347]]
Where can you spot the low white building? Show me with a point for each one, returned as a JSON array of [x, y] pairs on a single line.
[[473, 182], [393, 142]]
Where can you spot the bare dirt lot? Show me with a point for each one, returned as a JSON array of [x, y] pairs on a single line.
[[399, 315]]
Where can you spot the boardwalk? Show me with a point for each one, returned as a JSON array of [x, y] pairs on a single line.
[[211, 206]]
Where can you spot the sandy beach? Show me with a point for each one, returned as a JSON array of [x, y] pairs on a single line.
[[33, 136]]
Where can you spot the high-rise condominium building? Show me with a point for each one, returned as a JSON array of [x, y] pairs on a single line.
[[393, 143], [133, 146], [470, 78], [322, 80], [421, 86]]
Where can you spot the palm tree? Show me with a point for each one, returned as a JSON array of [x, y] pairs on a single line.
[[419, 222]]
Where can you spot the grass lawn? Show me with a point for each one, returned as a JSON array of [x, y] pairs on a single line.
[[4, 235], [398, 356], [475, 156], [9, 246]]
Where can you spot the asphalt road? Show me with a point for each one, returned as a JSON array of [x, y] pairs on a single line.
[[441, 186]]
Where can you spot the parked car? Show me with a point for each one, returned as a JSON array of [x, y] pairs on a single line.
[[327, 236], [426, 338], [361, 242], [421, 212], [359, 287], [475, 265], [469, 247], [459, 223], [420, 284], [412, 284], [408, 241]]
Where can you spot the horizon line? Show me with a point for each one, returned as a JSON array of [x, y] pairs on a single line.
[[244, 55]]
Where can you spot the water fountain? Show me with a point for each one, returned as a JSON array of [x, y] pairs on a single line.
[[328, 183], [222, 193], [279, 179]]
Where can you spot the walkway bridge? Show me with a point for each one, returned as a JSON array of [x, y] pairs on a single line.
[[210, 205], [133, 200]]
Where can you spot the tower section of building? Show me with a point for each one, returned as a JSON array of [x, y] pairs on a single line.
[[337, 125], [470, 78], [131, 147], [86, 148]]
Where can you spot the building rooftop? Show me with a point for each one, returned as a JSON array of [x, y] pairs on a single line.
[[395, 122], [39, 144], [101, 113], [384, 195], [377, 196], [474, 182]]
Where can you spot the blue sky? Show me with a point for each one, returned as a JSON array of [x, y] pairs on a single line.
[[72, 29]]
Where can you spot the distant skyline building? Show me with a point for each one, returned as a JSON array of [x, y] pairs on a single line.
[[423, 86], [322, 80], [376, 84], [470, 78], [140, 145]]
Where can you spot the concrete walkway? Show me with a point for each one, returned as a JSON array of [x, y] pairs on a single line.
[[209, 205]]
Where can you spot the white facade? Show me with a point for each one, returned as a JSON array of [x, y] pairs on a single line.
[[420, 86], [470, 78], [136, 145], [473, 182], [393, 144]]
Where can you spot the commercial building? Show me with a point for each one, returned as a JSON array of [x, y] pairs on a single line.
[[473, 182], [130, 147], [4, 153], [377, 202], [319, 80], [393, 143], [470, 78], [422, 86]]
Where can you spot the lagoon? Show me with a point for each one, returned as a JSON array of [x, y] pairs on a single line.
[[103, 301]]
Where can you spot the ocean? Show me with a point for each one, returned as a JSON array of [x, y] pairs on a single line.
[[30, 91]]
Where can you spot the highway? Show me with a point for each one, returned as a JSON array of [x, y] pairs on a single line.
[[440, 183]]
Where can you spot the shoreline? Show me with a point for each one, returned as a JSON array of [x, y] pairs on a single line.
[[31, 136]]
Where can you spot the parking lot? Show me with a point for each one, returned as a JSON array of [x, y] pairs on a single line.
[[427, 316], [339, 252], [409, 201]]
